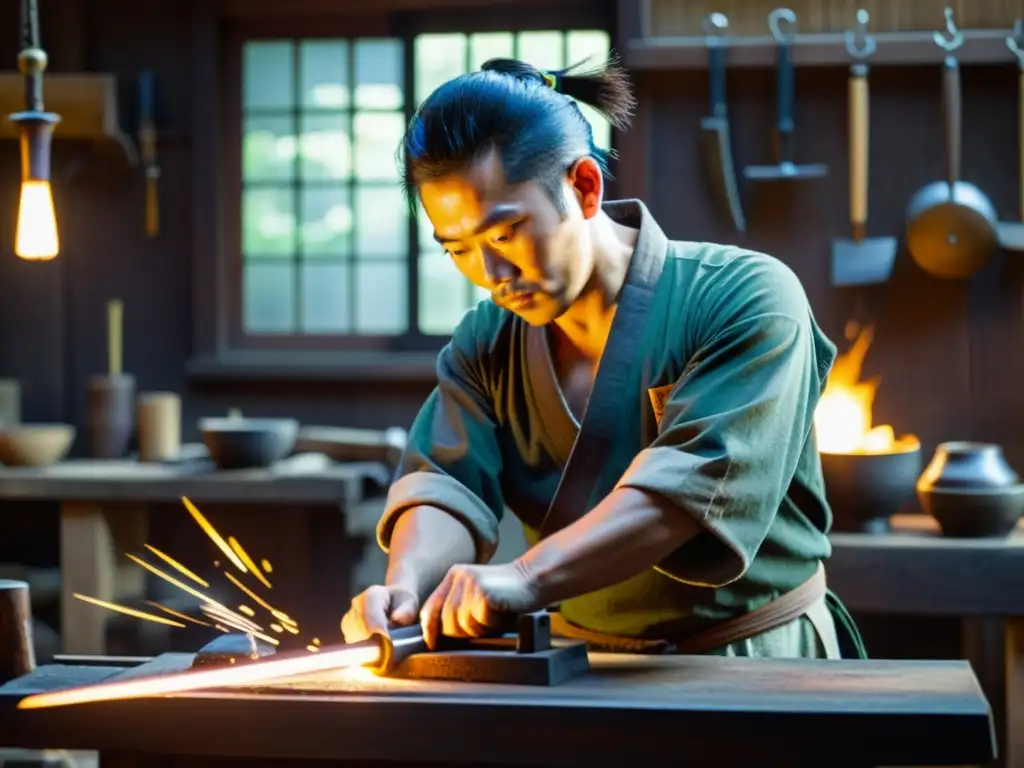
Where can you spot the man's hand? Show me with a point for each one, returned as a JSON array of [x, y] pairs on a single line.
[[473, 600], [373, 610]]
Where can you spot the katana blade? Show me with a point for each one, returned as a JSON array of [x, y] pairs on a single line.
[[369, 652]]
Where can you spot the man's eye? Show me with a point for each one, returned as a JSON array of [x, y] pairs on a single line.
[[455, 254]]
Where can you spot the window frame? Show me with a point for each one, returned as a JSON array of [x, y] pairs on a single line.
[[218, 40]]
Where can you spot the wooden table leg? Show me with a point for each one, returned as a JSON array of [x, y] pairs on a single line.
[[91, 541], [982, 642], [1013, 755]]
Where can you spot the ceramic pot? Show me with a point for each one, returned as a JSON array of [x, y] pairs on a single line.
[[111, 415], [865, 490], [967, 466], [974, 513]]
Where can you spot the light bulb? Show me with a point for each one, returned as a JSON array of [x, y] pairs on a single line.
[[36, 236]]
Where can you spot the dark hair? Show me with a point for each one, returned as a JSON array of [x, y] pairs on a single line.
[[528, 116]]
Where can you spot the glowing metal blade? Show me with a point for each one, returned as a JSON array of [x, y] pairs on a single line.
[[356, 654]]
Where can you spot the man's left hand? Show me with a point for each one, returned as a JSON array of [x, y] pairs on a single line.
[[474, 600]]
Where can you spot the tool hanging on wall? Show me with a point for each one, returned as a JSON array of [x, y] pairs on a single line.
[[951, 224], [1011, 234], [861, 260], [786, 168], [147, 143], [717, 142]]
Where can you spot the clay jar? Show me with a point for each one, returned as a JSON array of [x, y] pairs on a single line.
[[967, 466], [111, 415]]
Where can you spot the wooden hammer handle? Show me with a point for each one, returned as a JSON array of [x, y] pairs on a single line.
[[859, 117]]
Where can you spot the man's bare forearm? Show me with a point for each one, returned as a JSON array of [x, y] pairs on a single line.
[[425, 544], [627, 533]]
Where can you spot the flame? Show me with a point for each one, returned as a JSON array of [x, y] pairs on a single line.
[[843, 418]]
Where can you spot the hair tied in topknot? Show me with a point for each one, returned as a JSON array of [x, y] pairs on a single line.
[[550, 80]]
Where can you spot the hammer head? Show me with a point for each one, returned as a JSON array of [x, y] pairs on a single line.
[[228, 650]]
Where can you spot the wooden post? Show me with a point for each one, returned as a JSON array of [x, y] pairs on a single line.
[[17, 657]]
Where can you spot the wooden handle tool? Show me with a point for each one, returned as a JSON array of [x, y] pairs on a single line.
[[115, 314], [859, 121]]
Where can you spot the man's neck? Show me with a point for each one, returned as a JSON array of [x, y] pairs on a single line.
[[587, 323]]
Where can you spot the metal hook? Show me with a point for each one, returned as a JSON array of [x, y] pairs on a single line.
[[714, 24], [858, 43], [1015, 42], [775, 21], [952, 38]]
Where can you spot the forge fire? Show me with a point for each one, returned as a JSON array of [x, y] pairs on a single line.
[[843, 420]]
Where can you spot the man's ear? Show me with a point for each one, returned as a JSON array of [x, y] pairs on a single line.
[[587, 183]]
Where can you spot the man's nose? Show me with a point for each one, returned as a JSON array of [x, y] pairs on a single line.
[[497, 268]]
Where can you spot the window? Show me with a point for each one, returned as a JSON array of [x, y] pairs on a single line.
[[327, 249]]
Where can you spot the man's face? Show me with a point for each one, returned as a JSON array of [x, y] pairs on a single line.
[[511, 240]]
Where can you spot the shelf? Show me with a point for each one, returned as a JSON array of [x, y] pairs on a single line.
[[986, 46], [86, 103]]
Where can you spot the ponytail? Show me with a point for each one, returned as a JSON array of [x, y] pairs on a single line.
[[606, 88]]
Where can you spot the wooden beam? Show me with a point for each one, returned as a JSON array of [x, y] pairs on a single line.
[[246, 9], [816, 50]]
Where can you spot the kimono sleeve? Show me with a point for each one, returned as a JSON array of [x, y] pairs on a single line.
[[736, 423], [452, 461]]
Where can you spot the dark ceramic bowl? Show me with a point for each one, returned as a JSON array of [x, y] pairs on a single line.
[[244, 443], [974, 513], [968, 466], [865, 489]]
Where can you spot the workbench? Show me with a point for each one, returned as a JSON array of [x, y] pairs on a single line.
[[914, 571], [104, 513], [627, 711]]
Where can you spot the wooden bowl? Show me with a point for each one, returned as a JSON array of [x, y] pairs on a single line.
[[35, 445]]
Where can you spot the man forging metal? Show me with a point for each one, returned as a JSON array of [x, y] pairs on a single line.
[[643, 406]]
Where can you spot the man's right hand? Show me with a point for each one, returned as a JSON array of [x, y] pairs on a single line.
[[375, 609]]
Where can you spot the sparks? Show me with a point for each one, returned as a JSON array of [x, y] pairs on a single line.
[[252, 595], [215, 537], [129, 611], [177, 566], [178, 614], [171, 580], [244, 557]]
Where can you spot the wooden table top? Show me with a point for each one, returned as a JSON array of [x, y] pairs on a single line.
[[306, 482], [916, 571], [714, 710]]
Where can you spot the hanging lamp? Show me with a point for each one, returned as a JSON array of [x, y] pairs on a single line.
[[35, 237]]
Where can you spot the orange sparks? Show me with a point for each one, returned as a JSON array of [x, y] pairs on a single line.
[[177, 566], [290, 628], [284, 618], [172, 612], [255, 598], [225, 630], [171, 580], [265, 564], [316, 641], [244, 557], [277, 628], [229, 615], [246, 610], [242, 627], [312, 649], [215, 537], [129, 611]]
